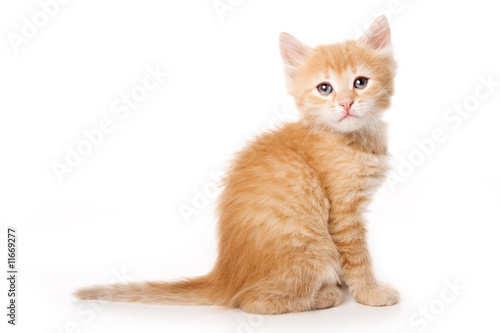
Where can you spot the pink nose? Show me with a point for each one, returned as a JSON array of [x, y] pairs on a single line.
[[346, 104]]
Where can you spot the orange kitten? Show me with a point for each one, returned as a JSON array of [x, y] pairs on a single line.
[[291, 229]]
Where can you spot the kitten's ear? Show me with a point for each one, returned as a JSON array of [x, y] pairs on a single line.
[[378, 35], [293, 53]]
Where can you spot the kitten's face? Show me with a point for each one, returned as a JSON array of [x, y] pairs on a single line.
[[344, 87]]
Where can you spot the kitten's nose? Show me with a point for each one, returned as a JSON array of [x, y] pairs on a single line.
[[346, 104]]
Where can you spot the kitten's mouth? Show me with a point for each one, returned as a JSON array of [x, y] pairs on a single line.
[[347, 115]]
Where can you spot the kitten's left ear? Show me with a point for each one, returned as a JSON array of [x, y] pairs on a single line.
[[378, 35], [293, 53]]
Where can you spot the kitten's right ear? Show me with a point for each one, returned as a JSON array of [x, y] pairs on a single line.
[[378, 35], [293, 53]]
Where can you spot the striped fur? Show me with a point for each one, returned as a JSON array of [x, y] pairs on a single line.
[[291, 229]]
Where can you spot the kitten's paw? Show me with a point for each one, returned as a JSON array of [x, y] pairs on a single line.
[[381, 295], [328, 296]]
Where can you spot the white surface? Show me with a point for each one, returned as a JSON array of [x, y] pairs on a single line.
[[116, 216]]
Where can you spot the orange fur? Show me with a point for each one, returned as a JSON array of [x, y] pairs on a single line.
[[291, 229]]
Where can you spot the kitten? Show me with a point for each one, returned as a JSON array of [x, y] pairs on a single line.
[[291, 230]]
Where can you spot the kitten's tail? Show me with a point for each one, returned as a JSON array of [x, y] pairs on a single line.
[[196, 291]]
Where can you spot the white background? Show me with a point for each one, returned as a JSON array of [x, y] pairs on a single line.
[[116, 216]]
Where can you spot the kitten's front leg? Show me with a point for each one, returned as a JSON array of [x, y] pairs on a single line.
[[349, 234]]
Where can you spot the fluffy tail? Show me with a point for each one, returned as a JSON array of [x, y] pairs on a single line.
[[196, 291]]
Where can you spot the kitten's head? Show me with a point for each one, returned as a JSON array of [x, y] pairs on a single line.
[[344, 87]]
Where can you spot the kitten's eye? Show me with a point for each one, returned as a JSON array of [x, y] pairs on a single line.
[[324, 89], [360, 82]]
